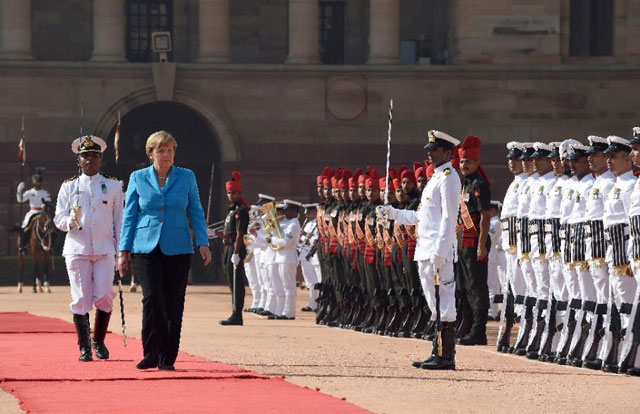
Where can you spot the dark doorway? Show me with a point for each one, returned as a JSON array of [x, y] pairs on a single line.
[[197, 150], [331, 36]]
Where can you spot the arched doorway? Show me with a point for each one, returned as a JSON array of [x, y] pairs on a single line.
[[197, 150]]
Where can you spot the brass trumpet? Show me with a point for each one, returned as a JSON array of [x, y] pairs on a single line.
[[271, 222]]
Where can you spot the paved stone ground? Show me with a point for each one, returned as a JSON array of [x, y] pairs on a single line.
[[371, 371]]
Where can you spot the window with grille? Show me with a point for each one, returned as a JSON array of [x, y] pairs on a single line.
[[143, 18], [591, 28], [331, 36]]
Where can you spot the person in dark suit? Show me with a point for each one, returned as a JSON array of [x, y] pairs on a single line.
[[156, 237]]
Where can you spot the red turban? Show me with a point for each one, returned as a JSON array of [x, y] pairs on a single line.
[[430, 169], [373, 180], [419, 172], [353, 181], [470, 148], [396, 183], [455, 160], [326, 182], [234, 184], [334, 181], [383, 182], [408, 174], [326, 173]]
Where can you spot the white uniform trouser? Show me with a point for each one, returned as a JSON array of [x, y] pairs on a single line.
[[250, 269], [91, 281], [623, 290], [287, 273], [493, 282], [629, 336], [541, 272], [556, 279], [447, 289], [571, 282], [310, 280], [529, 276], [276, 296], [264, 284]]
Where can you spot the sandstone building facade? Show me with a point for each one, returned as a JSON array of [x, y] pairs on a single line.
[[280, 88]]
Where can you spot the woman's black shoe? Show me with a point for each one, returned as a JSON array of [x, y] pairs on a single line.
[[147, 363], [166, 367]]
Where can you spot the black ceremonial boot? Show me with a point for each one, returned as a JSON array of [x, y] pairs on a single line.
[[84, 336], [99, 332], [448, 359]]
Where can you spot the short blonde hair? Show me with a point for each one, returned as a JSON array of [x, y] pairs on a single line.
[[159, 139]]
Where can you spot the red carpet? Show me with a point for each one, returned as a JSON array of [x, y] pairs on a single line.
[[39, 366]]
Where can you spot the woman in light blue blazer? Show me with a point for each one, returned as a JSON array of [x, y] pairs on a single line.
[[155, 236]]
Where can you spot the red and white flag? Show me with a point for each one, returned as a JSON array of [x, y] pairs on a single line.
[[22, 148], [116, 139]]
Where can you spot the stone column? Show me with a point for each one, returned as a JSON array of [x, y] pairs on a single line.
[[384, 32], [213, 31], [15, 30], [303, 32], [108, 31]]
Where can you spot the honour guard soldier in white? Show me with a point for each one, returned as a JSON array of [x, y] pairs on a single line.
[[309, 262], [616, 225], [582, 286], [596, 247], [436, 221], [524, 248], [629, 363], [36, 196], [514, 288], [251, 267], [563, 294], [537, 219], [555, 307], [89, 209], [287, 257]]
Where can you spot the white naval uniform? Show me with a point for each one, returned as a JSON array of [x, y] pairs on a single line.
[[251, 271], [595, 211], [496, 264], [556, 278], [584, 288], [90, 253], [538, 211], [616, 211], [275, 296], [259, 245], [310, 268], [524, 198], [34, 197], [508, 216], [287, 260], [566, 207], [634, 258], [435, 221], [568, 272]]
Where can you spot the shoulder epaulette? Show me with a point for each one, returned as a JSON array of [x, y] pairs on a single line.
[[70, 179], [447, 171], [111, 177]]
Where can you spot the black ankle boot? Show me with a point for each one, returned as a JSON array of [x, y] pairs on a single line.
[[99, 332], [234, 319], [446, 361], [83, 330]]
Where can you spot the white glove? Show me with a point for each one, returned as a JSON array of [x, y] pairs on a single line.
[[235, 259], [438, 263], [387, 212], [75, 213], [211, 233], [20, 188]]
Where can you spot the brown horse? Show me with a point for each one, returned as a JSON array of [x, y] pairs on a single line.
[[40, 243]]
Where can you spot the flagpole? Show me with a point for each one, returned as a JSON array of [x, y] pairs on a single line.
[[22, 159]]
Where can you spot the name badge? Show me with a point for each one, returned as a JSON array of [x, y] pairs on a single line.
[[103, 186]]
